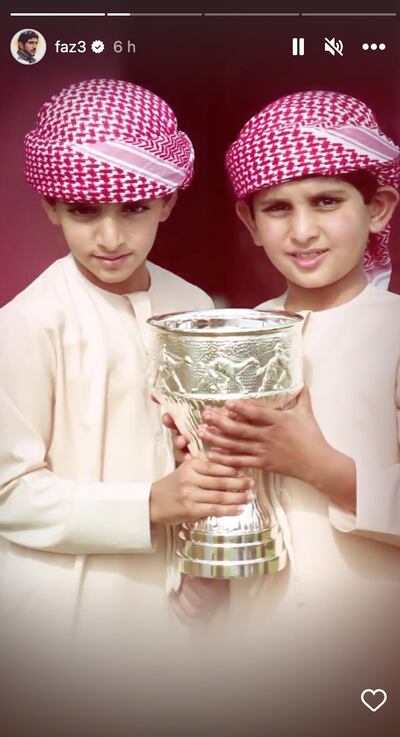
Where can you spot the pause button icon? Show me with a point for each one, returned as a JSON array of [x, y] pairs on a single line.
[[297, 46]]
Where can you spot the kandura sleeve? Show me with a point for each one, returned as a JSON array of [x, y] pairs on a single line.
[[378, 497], [39, 509]]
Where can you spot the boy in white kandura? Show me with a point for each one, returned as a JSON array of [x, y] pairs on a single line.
[[316, 185], [88, 481]]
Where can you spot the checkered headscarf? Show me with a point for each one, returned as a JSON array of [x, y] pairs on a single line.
[[105, 140], [316, 133]]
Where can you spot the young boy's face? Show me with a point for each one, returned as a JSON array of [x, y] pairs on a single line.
[[110, 242], [315, 230]]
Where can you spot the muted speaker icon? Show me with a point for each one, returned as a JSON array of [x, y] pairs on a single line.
[[333, 47]]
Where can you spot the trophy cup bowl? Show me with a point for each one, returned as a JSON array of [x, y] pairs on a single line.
[[203, 358]]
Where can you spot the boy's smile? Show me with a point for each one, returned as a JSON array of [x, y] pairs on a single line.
[[110, 242], [308, 259], [315, 230]]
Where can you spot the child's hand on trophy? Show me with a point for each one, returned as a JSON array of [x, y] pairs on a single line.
[[289, 442], [198, 599], [179, 442], [251, 434], [199, 488]]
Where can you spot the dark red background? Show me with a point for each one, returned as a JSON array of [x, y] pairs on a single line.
[[215, 73]]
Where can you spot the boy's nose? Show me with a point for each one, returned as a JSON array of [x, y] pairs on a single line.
[[304, 228], [109, 237]]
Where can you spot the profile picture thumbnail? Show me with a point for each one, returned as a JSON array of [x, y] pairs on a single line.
[[28, 46]]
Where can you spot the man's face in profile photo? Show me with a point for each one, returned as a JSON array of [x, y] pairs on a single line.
[[29, 46]]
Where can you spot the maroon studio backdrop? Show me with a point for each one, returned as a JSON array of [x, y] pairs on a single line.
[[215, 73]]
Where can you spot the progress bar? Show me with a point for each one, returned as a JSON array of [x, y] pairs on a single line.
[[208, 15], [58, 15], [165, 15], [249, 15], [343, 15]]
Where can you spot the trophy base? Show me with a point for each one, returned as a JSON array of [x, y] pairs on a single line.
[[238, 556], [229, 569]]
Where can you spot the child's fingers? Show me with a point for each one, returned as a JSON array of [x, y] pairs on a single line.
[[218, 510], [228, 413], [254, 410], [240, 445], [212, 428], [203, 466], [179, 457], [178, 437], [169, 421], [225, 483], [237, 461], [235, 416], [223, 424], [180, 442], [223, 497]]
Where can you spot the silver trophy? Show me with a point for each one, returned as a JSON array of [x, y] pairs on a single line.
[[204, 358]]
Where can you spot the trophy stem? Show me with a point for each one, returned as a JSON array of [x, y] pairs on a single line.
[[251, 544]]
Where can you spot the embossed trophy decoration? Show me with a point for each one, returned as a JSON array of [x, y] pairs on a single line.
[[205, 358]]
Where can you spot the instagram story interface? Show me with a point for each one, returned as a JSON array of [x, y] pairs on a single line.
[[200, 330]]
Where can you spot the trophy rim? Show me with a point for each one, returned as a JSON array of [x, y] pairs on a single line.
[[156, 321]]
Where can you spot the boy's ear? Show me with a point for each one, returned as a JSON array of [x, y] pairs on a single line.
[[382, 207], [246, 216], [51, 211], [169, 202]]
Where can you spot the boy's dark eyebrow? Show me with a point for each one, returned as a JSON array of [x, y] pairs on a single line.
[[329, 193], [273, 200], [268, 200]]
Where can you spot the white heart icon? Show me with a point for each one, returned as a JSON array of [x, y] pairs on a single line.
[[375, 703]]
